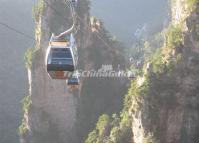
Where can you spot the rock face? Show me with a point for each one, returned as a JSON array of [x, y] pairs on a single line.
[[57, 115], [169, 113], [52, 113]]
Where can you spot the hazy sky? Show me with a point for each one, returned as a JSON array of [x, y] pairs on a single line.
[[13, 76], [122, 18]]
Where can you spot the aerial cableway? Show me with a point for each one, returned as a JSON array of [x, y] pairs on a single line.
[[61, 55]]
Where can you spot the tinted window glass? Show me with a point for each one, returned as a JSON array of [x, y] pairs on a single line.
[[61, 53]]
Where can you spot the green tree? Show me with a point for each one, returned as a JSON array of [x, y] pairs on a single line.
[[103, 124], [92, 137]]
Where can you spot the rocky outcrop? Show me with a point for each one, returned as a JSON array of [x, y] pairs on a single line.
[[52, 112], [169, 112]]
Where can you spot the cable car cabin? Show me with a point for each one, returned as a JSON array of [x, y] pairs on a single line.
[[74, 2], [131, 75], [73, 82], [61, 57]]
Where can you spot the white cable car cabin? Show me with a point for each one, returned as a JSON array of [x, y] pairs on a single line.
[[61, 56], [74, 80], [131, 75], [74, 2]]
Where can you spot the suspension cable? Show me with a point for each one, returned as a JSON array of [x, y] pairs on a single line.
[[59, 14], [32, 38], [17, 31], [74, 21]]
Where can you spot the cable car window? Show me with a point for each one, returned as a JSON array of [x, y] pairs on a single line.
[[61, 54]]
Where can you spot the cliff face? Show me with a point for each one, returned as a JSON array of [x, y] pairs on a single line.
[[168, 111], [51, 112], [162, 103]]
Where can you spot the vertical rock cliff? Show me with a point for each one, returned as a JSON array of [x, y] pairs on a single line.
[[50, 109], [162, 102], [52, 113], [164, 107]]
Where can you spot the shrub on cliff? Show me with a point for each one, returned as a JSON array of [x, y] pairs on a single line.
[[192, 4], [28, 57], [37, 9], [22, 130], [175, 36], [111, 130]]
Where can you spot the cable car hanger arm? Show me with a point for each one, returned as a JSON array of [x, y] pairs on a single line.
[[70, 30]]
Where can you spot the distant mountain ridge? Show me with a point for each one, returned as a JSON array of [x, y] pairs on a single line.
[[122, 18]]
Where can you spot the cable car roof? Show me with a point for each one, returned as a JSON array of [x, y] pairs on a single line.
[[60, 47]]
